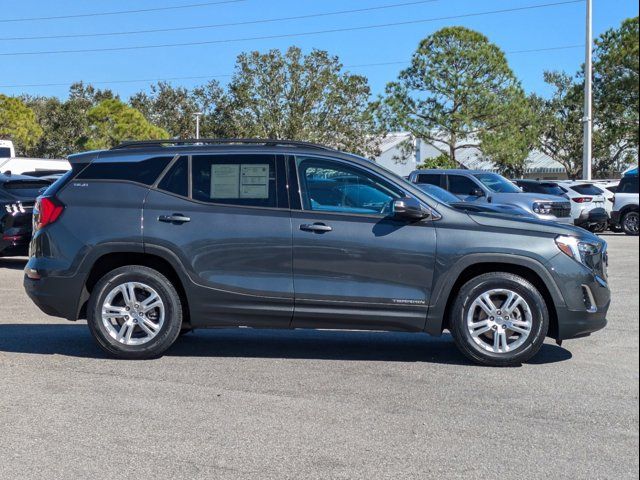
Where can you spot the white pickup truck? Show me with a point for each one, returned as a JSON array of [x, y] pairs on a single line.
[[37, 167]]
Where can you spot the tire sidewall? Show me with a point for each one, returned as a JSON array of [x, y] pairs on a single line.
[[484, 283], [173, 313]]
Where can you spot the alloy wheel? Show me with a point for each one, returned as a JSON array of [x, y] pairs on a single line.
[[499, 321], [133, 313], [631, 223]]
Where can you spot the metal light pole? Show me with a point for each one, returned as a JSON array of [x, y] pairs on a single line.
[[197, 115], [588, 119]]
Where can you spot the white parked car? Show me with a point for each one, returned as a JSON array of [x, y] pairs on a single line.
[[6, 149], [33, 166], [625, 206], [588, 205], [587, 201]]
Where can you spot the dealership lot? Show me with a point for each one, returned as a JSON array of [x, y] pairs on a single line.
[[267, 404]]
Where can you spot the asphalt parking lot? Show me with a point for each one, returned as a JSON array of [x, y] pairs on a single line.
[[316, 405]]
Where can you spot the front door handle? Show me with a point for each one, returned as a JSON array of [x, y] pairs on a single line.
[[315, 227], [175, 218]]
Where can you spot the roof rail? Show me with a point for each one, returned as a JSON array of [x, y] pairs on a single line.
[[217, 141]]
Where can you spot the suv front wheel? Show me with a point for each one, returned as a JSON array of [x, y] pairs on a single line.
[[134, 312], [499, 319]]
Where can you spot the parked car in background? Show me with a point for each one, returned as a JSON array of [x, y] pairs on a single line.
[[17, 197], [625, 205], [6, 149], [33, 166], [487, 187], [450, 199], [587, 200], [150, 239]]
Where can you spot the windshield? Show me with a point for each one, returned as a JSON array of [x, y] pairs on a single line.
[[438, 193], [497, 183]]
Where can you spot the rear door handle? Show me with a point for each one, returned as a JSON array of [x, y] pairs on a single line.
[[175, 218], [315, 227]]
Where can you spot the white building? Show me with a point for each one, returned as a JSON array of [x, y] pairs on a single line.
[[538, 164]]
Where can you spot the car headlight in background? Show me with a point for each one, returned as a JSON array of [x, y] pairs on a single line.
[[542, 208], [579, 250]]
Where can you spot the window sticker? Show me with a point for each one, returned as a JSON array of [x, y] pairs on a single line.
[[225, 181], [254, 181]]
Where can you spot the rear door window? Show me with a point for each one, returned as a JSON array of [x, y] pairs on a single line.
[[242, 180], [176, 180], [430, 178], [460, 185]]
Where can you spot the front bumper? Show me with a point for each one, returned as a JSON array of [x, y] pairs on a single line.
[[586, 300]]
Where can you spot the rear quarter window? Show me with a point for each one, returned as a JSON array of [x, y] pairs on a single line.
[[145, 172]]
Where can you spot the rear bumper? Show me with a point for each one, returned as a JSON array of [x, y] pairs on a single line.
[[592, 217], [615, 217], [55, 296]]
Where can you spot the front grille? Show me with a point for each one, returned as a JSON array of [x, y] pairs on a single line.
[[561, 209]]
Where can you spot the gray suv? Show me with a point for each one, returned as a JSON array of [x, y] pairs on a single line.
[[487, 187], [153, 239]]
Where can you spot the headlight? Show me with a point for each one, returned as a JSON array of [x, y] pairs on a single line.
[[579, 250], [542, 208]]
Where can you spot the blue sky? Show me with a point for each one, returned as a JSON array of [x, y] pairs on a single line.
[[550, 27]]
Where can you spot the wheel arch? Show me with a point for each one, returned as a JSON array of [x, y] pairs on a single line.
[[468, 268], [110, 261]]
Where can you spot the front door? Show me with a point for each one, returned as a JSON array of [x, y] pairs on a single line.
[[228, 223], [355, 266]]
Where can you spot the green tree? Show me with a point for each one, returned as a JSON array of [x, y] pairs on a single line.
[[615, 113], [112, 122], [64, 126], [18, 123], [616, 96], [299, 97], [457, 92], [441, 161], [173, 108]]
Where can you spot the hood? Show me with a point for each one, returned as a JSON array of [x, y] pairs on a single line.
[[498, 208], [521, 198], [528, 224]]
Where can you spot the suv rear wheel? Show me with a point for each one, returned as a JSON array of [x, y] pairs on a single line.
[[134, 312], [630, 223], [499, 319]]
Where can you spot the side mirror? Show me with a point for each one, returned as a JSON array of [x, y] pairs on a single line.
[[409, 209], [477, 192]]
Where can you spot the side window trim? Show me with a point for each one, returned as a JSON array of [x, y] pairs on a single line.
[[165, 171]]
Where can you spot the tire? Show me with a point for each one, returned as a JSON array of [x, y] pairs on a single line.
[[630, 223], [153, 331], [598, 227], [530, 313]]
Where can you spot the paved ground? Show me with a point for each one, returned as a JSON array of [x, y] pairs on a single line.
[[307, 405]]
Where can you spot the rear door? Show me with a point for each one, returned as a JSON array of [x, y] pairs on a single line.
[[226, 219], [354, 265]]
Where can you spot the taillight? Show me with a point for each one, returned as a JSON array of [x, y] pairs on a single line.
[[46, 211], [582, 199]]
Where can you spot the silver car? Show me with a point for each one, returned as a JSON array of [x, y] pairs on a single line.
[[478, 186]]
